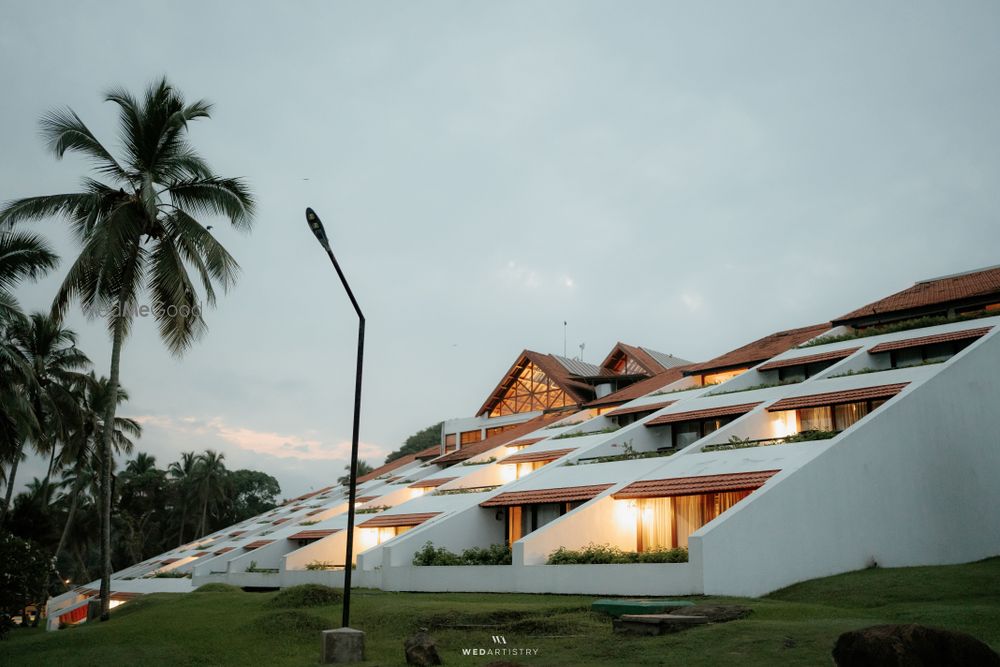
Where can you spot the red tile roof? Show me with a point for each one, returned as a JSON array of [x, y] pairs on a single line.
[[760, 350], [236, 533], [257, 544], [524, 443], [930, 340], [531, 457], [837, 397], [497, 439], [635, 409], [199, 554], [576, 390], [313, 534], [689, 486], [429, 453], [976, 286], [809, 359], [390, 520], [431, 483], [223, 550], [360, 499], [315, 512], [277, 522], [707, 413], [566, 494], [645, 360], [169, 561], [388, 467], [640, 388]]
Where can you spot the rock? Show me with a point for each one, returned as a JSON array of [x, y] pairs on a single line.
[[911, 646], [715, 613], [342, 645], [421, 650]]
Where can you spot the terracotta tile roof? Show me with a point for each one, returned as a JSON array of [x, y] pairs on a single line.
[[297, 508], [390, 520], [837, 397], [497, 439], [394, 478], [930, 340], [707, 413], [315, 512], [257, 544], [388, 467], [809, 359], [524, 442], [566, 494], [277, 522], [689, 486], [557, 372], [169, 561], [359, 499], [531, 457], [649, 407], [199, 554], [429, 453], [942, 293], [223, 550], [305, 497], [760, 350], [645, 360], [431, 483], [236, 533], [640, 388], [313, 534]]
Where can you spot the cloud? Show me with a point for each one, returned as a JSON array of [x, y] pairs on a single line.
[[514, 274], [279, 445]]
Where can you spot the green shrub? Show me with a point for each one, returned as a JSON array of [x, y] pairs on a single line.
[[320, 565], [218, 588], [306, 595], [605, 554], [904, 325], [172, 574], [495, 554]]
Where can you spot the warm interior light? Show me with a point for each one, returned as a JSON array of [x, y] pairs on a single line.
[[508, 473], [784, 424], [417, 492]]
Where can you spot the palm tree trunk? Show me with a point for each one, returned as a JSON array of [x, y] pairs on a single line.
[[48, 474], [184, 508], [204, 514], [77, 489], [107, 453], [10, 482]]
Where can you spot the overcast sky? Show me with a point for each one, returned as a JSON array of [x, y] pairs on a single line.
[[686, 177]]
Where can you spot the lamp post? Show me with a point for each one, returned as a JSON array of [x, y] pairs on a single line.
[[317, 228]]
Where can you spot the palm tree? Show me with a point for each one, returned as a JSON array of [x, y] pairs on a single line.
[[82, 449], [55, 361], [210, 478], [140, 234], [182, 472]]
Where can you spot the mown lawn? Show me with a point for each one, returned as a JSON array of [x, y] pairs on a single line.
[[795, 626]]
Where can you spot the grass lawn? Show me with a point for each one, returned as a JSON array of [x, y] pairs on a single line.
[[795, 626]]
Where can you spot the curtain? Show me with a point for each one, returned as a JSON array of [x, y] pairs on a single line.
[[656, 523]]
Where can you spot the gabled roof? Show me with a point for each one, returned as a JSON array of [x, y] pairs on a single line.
[[639, 389], [706, 413], [553, 367], [930, 340], [497, 439], [689, 486], [531, 457], [651, 361], [566, 494], [837, 397], [760, 350], [974, 287]]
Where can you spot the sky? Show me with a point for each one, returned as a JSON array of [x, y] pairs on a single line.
[[683, 176]]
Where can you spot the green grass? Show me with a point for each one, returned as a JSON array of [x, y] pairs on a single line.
[[795, 626]]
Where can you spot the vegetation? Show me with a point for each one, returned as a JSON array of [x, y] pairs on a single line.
[[480, 462], [307, 595], [495, 554], [864, 371], [320, 565], [372, 510], [766, 385], [468, 489], [903, 325], [139, 235], [796, 626], [736, 442], [664, 392], [604, 554], [580, 434], [25, 573], [419, 441], [363, 469]]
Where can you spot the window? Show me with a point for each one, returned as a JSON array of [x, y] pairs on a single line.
[[833, 418], [685, 433], [803, 371], [449, 442], [469, 437], [914, 356], [721, 376], [525, 468], [529, 391], [493, 430], [666, 523], [524, 519]]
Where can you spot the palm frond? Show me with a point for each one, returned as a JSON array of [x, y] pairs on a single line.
[[175, 302], [216, 196], [23, 257], [64, 131]]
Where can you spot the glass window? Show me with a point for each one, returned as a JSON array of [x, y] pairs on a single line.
[[848, 414], [469, 437], [685, 433], [529, 391], [666, 523], [449, 442], [721, 376], [815, 419], [906, 357]]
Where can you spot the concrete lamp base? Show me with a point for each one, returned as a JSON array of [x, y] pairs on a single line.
[[342, 645]]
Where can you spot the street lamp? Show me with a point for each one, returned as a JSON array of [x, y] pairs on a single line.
[[317, 228]]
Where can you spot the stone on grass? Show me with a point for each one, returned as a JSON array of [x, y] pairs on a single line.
[[911, 646], [421, 650], [343, 645], [716, 613]]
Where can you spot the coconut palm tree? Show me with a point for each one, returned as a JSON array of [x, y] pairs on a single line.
[[182, 473], [140, 234], [210, 480], [82, 451]]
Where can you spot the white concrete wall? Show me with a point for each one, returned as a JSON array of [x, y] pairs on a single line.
[[915, 485], [599, 521], [472, 527]]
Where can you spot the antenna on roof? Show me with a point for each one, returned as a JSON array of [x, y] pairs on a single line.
[[582, 345], [564, 338]]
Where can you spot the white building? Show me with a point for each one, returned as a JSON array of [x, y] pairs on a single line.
[[872, 439]]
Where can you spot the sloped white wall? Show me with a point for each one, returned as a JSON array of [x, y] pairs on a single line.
[[916, 485]]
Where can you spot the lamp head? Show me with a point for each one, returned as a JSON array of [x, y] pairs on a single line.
[[316, 225]]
